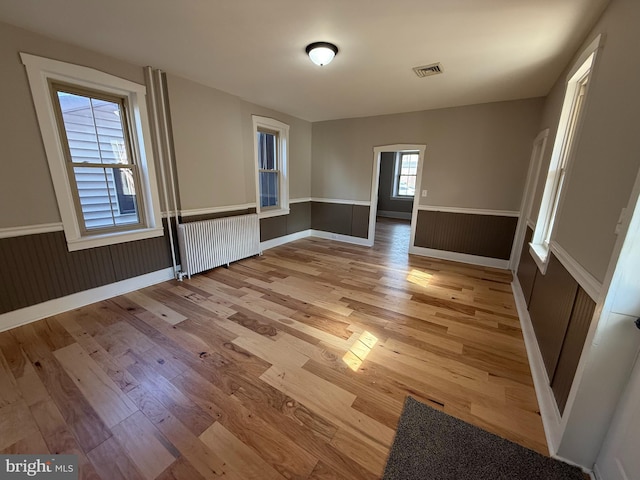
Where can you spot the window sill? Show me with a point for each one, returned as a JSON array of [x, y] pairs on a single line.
[[93, 241], [403, 199], [273, 213], [540, 255]]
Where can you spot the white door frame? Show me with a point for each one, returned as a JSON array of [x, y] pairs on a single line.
[[607, 465], [375, 179], [537, 153], [610, 351]]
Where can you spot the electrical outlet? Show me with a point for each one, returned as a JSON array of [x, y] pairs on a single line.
[[424, 194]]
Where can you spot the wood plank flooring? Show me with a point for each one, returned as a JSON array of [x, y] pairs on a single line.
[[291, 365]]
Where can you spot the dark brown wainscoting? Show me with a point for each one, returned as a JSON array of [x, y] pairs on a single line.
[[483, 235], [579, 323], [352, 220], [551, 303], [299, 219], [527, 268], [561, 313], [37, 268]]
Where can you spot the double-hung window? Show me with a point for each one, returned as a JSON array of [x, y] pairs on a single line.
[[95, 132], [96, 141], [563, 150], [405, 172], [271, 142]]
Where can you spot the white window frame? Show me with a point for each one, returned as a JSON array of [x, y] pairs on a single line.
[[396, 176], [282, 162], [40, 71], [567, 135]]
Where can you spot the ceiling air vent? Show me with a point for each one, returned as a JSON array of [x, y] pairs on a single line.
[[428, 70]]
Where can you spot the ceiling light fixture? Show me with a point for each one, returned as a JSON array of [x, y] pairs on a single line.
[[321, 53]]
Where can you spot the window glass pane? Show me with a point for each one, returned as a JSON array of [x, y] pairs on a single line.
[[125, 190], [268, 189], [94, 129], [266, 151], [107, 196], [407, 185], [409, 164]]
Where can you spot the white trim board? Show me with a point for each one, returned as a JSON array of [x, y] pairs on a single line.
[[276, 242], [9, 232], [537, 153], [587, 281], [460, 257], [226, 208], [470, 211], [341, 201], [551, 420], [341, 238], [241, 206], [76, 300]]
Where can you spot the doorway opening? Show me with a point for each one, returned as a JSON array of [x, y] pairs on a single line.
[[397, 172]]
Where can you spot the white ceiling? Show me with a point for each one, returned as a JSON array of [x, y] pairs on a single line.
[[490, 50]]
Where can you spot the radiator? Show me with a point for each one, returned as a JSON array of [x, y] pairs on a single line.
[[210, 243]]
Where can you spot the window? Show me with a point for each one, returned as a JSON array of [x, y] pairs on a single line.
[[94, 132], [568, 128], [271, 141], [406, 169], [268, 168], [95, 129]]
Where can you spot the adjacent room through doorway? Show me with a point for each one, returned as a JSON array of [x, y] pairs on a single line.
[[396, 192]]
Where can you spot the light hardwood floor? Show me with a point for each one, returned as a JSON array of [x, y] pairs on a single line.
[[291, 365]]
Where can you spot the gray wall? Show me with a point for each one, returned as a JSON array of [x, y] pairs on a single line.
[[599, 184], [214, 146], [477, 156], [25, 183], [607, 152], [213, 141], [385, 188]]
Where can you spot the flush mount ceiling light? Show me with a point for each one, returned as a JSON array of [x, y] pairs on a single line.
[[321, 53]]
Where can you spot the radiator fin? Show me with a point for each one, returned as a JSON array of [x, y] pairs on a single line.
[[211, 243]]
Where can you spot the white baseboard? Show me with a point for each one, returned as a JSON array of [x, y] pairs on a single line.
[[76, 300], [388, 214], [365, 242], [275, 242], [586, 470], [596, 474], [551, 420], [460, 257]]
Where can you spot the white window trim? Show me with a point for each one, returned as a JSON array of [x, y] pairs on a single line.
[[584, 66], [39, 71], [396, 176], [283, 164]]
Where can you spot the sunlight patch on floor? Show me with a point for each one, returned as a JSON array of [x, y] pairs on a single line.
[[359, 350], [419, 278]]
